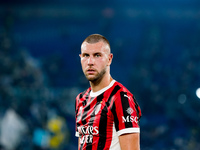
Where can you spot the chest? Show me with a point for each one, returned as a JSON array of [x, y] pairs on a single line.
[[94, 112]]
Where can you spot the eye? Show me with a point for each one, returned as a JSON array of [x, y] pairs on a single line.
[[85, 55], [97, 55]]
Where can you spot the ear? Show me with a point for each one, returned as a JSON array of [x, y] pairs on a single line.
[[110, 57]]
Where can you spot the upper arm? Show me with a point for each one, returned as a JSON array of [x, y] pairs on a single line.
[[130, 141], [125, 113], [126, 116]]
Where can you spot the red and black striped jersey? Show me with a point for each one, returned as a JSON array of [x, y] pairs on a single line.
[[104, 115]]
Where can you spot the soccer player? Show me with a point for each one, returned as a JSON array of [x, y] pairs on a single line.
[[107, 114]]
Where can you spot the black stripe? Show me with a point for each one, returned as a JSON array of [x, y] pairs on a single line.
[[89, 146], [83, 93], [100, 97], [103, 120], [137, 108], [86, 98], [113, 109], [102, 125], [85, 109], [117, 87], [116, 121], [125, 106]]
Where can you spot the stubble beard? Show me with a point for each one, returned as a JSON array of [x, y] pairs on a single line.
[[97, 78]]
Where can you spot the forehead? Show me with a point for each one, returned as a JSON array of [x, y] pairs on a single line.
[[93, 47]]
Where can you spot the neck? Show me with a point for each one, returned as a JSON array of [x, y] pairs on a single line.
[[98, 85]]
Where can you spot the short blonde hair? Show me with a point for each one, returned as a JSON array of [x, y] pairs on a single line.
[[95, 38]]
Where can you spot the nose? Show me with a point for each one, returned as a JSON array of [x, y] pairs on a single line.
[[90, 60]]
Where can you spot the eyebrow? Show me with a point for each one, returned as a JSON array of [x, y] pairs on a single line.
[[92, 53], [97, 53]]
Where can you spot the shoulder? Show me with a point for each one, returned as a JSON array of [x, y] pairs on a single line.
[[81, 97], [123, 89], [83, 94], [125, 100], [123, 94]]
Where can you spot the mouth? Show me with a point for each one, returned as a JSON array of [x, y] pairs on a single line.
[[90, 71]]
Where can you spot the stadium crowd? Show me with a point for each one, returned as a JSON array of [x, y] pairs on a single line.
[[34, 115]]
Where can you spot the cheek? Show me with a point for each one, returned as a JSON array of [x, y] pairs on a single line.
[[83, 60], [82, 63], [102, 64]]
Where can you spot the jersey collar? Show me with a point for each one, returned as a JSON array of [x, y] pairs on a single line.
[[94, 94]]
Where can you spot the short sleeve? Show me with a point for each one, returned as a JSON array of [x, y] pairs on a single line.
[[127, 113]]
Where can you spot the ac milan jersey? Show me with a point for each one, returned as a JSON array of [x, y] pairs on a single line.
[[104, 115]]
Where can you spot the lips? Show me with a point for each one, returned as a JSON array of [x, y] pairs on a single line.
[[90, 71]]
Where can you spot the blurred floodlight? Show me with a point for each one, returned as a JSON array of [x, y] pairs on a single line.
[[198, 93]]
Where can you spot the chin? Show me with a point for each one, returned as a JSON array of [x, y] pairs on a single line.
[[91, 78]]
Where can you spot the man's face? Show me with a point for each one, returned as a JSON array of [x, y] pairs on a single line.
[[95, 59]]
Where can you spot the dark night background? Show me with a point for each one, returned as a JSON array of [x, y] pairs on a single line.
[[156, 56]]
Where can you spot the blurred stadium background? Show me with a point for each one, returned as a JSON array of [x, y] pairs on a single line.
[[156, 46]]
